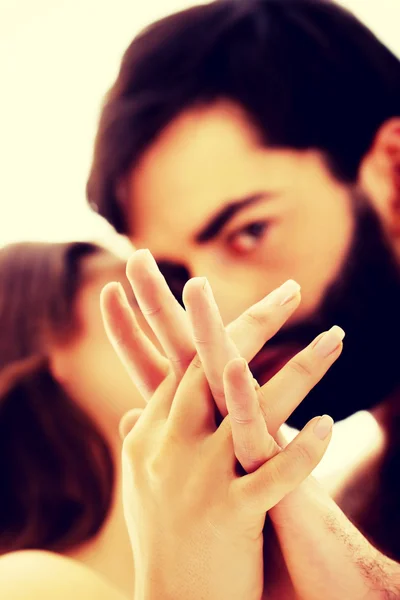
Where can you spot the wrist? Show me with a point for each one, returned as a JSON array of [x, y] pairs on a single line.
[[167, 578], [153, 582]]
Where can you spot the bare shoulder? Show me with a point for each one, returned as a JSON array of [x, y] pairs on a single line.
[[38, 575]]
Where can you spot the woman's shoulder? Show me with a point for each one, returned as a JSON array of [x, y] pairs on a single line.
[[40, 575]]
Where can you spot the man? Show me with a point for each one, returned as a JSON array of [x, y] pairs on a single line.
[[257, 141]]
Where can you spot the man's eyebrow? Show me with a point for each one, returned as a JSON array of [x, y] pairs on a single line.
[[223, 216]]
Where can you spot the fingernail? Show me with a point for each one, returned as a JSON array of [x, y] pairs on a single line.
[[244, 365], [284, 294], [207, 290], [206, 286], [323, 427], [329, 342], [150, 262]]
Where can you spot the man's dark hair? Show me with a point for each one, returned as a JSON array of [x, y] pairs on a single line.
[[307, 73]]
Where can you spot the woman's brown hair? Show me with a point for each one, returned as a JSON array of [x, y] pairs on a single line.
[[56, 470]]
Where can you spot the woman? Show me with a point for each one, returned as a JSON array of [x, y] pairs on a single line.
[[62, 394]]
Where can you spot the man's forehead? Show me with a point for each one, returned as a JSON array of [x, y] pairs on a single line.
[[178, 204], [201, 162], [194, 152], [159, 223]]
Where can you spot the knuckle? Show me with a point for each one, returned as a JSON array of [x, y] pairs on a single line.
[[172, 442], [155, 468], [302, 454], [207, 337], [242, 418], [163, 458], [200, 341], [181, 360], [248, 489], [151, 311], [131, 444], [274, 476], [160, 459], [301, 367], [196, 362], [255, 318], [134, 453], [148, 455]]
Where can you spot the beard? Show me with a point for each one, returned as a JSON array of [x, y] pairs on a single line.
[[364, 299]]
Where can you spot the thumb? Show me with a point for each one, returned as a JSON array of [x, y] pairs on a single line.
[[129, 421]]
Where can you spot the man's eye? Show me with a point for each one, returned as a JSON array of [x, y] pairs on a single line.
[[248, 238]]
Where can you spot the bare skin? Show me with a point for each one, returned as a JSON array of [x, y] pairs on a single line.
[[365, 573]]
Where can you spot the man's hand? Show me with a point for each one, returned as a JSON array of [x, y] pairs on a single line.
[[312, 530]]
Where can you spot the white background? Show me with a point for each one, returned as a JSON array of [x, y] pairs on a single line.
[[57, 59]]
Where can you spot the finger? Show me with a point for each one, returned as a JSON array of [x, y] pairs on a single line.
[[286, 390], [142, 360], [252, 442], [213, 345], [129, 421], [216, 345], [263, 320], [263, 489], [193, 408], [165, 315]]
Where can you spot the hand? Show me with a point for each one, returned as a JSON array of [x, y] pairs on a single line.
[[307, 519], [186, 430]]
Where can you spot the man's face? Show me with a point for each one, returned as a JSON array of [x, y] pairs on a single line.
[[207, 196]]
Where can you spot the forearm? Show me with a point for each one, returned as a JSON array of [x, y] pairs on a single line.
[[327, 557]]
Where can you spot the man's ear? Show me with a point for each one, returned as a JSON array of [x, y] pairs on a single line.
[[379, 176]]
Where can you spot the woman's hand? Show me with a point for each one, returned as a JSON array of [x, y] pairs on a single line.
[[195, 525]]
